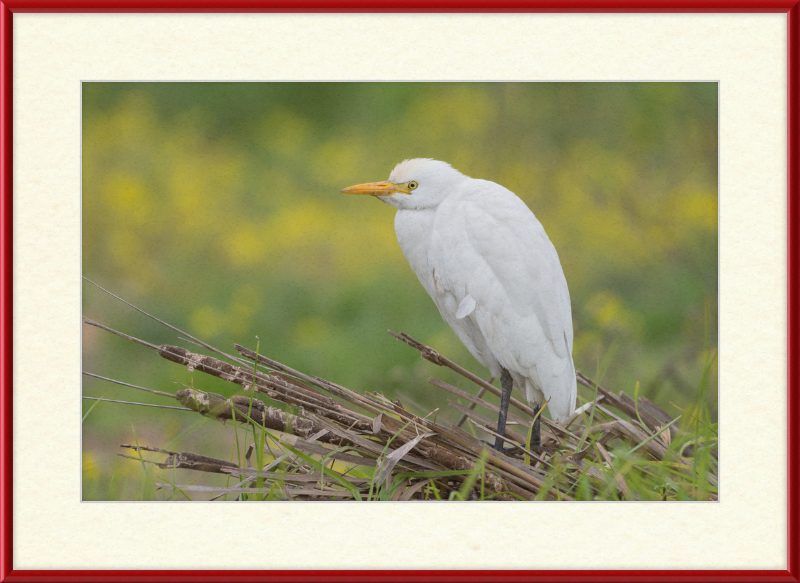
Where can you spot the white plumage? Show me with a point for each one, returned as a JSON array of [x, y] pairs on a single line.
[[487, 263]]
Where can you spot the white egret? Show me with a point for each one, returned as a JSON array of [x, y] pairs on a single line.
[[488, 265]]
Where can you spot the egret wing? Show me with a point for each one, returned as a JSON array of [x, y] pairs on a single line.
[[511, 269]]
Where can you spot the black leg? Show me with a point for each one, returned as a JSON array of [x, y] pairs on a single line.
[[505, 398], [536, 439]]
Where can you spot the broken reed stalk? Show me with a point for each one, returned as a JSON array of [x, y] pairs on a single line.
[[378, 433]]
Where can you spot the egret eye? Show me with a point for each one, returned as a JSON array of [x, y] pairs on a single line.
[[412, 185]]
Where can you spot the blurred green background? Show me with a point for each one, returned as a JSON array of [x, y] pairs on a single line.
[[216, 207]]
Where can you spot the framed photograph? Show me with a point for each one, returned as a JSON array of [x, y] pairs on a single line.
[[589, 237]]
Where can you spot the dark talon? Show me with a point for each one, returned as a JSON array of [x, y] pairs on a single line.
[[505, 450]]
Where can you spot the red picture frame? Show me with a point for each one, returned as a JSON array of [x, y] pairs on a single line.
[[7, 10]]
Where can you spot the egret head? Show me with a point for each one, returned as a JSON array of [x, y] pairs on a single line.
[[414, 184]]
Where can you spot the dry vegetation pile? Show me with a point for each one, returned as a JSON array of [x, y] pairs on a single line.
[[328, 442]]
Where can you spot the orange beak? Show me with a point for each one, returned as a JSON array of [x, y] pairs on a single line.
[[375, 189]]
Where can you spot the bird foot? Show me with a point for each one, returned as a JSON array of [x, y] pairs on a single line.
[[514, 448], [497, 447]]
